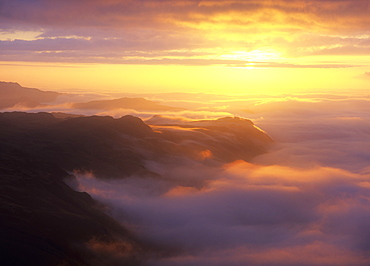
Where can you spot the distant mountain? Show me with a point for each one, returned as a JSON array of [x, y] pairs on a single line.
[[12, 94], [43, 221], [139, 104]]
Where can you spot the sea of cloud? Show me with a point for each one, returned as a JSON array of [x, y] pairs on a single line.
[[305, 202]]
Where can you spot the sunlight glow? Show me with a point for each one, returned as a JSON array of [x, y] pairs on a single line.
[[255, 55], [247, 79]]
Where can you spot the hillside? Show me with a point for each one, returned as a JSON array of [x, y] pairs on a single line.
[[48, 222]]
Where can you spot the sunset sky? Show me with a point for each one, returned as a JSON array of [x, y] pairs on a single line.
[[248, 46], [299, 70]]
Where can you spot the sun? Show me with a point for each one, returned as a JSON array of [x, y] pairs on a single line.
[[251, 59]]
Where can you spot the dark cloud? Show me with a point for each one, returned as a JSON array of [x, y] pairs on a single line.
[[38, 10], [128, 13]]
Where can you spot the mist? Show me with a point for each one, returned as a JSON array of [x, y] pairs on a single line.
[[305, 202], [256, 180]]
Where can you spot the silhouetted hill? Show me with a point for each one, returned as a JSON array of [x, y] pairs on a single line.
[[49, 223], [114, 148], [139, 104], [44, 221], [83, 143], [12, 94]]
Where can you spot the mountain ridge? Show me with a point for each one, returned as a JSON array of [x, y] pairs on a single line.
[[141, 104], [49, 222], [13, 93]]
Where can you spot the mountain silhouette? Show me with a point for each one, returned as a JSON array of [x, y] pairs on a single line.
[[12, 94], [49, 223], [139, 104]]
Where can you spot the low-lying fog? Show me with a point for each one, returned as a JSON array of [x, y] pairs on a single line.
[[305, 202]]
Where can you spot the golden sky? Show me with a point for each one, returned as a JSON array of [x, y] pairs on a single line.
[[209, 46]]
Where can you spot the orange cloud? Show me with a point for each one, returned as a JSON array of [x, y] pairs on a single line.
[[205, 154], [184, 32]]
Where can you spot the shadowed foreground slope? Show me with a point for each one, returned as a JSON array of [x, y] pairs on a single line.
[[45, 222]]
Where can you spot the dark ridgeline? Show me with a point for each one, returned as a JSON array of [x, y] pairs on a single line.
[[45, 222], [14, 94], [127, 103]]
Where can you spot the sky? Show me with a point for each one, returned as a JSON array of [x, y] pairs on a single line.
[[226, 47], [299, 69]]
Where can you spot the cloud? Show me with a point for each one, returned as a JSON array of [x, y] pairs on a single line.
[[129, 12], [169, 32], [325, 132], [119, 52], [305, 202], [116, 252], [246, 213]]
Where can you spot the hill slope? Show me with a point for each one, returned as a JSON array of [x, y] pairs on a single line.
[[49, 223]]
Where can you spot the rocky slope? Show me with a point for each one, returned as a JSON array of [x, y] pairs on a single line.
[[49, 223]]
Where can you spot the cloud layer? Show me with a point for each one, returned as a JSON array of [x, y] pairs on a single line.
[[187, 32], [306, 202], [269, 215]]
